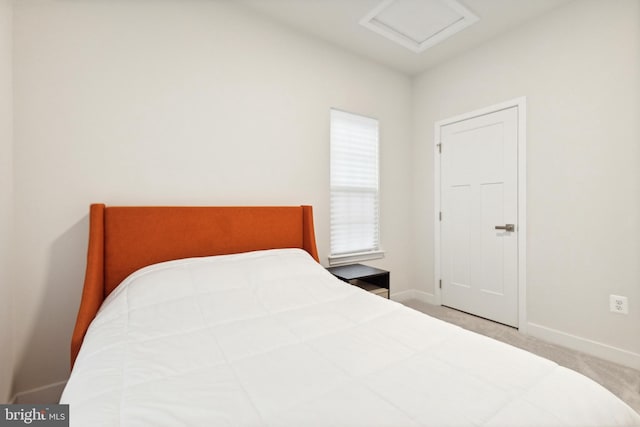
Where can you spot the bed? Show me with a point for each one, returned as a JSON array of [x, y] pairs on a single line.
[[222, 316]]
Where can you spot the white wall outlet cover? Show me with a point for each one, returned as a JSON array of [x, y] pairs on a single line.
[[618, 304]]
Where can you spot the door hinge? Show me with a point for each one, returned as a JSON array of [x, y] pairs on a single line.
[[440, 215], [440, 148], [440, 283]]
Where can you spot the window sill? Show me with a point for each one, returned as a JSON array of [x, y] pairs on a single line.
[[352, 258]]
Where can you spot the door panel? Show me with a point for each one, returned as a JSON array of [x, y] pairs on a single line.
[[491, 249], [479, 191], [460, 204]]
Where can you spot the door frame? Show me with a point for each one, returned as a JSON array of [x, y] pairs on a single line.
[[521, 105]]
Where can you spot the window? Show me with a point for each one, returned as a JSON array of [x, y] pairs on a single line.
[[354, 188]]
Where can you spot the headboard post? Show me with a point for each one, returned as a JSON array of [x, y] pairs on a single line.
[[309, 236], [93, 291]]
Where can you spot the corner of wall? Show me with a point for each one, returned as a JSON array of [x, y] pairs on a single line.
[[6, 199]]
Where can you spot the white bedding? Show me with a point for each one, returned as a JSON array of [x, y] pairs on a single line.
[[270, 338]]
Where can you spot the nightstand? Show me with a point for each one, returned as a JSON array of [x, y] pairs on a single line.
[[368, 278]]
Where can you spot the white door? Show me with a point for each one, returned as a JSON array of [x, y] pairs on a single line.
[[479, 203]]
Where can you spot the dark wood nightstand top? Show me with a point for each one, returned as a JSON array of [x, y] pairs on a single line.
[[355, 271]]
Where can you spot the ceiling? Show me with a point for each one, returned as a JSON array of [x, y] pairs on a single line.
[[337, 22]]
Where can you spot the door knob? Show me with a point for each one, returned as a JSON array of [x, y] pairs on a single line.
[[506, 227]]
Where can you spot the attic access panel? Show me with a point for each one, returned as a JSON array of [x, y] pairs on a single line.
[[418, 24]]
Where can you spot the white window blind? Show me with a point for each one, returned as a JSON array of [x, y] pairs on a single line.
[[354, 184]]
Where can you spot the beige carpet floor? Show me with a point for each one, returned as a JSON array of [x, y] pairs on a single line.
[[620, 380]]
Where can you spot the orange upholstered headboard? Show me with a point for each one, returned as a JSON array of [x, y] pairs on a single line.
[[125, 239]]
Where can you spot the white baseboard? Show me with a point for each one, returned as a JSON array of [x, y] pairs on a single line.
[[46, 394], [414, 294], [554, 336], [585, 345]]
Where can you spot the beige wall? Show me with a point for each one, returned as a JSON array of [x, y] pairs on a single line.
[[6, 201], [579, 68], [183, 102]]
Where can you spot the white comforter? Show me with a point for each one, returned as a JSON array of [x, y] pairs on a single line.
[[270, 338]]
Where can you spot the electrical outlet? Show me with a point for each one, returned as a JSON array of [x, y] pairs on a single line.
[[618, 304]]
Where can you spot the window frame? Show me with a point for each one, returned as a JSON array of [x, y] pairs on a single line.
[[375, 252]]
